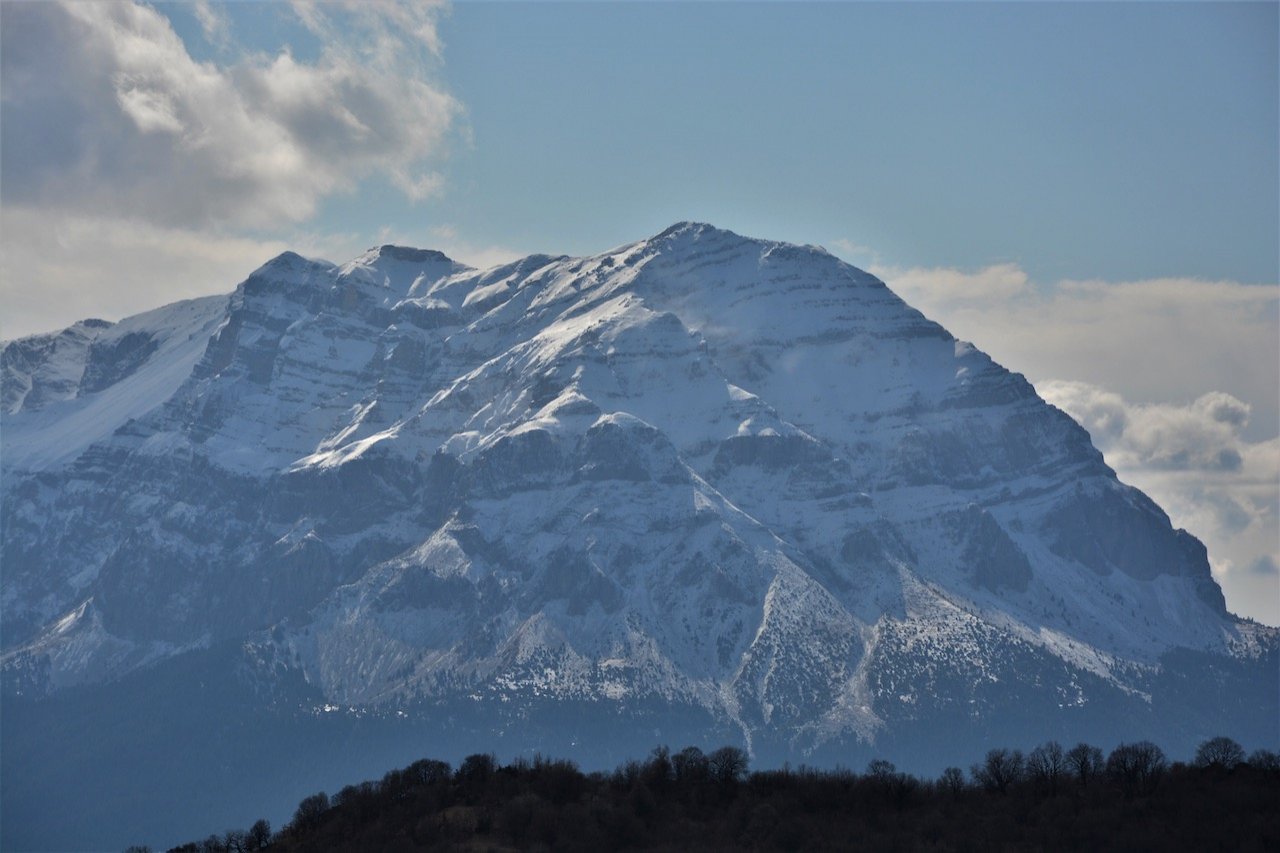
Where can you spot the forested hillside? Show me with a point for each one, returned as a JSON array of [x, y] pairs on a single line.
[[1051, 798]]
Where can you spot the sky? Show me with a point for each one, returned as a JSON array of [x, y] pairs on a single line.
[[1088, 191]]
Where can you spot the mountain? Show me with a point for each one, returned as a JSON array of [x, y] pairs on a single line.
[[697, 487]]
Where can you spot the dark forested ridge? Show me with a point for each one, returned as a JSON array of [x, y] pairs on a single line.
[[1052, 798]]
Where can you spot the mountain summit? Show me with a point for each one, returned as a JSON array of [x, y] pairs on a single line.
[[696, 486]]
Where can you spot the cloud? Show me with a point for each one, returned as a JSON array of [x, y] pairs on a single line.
[[1265, 566], [848, 248], [213, 23], [98, 267], [383, 25], [1201, 436], [1196, 462], [955, 288], [106, 113], [135, 175], [57, 268]]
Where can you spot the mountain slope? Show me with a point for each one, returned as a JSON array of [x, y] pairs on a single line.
[[720, 476]]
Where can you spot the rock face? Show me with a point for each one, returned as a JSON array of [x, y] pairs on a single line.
[[725, 485]]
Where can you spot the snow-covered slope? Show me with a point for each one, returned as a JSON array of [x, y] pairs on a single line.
[[698, 471], [66, 391]]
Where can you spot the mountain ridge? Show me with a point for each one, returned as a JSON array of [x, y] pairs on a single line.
[[700, 476]]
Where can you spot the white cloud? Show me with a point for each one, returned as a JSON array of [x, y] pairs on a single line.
[[106, 113], [955, 288], [56, 269], [213, 23], [384, 24], [135, 175], [1201, 436], [850, 249]]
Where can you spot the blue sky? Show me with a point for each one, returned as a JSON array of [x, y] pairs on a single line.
[[1089, 191], [1082, 140]]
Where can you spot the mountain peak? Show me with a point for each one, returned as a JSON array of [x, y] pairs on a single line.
[[288, 269], [685, 234], [408, 254], [703, 483], [288, 261], [696, 231], [398, 268]]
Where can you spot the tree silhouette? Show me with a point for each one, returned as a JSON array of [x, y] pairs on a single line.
[[1264, 759], [1001, 769], [712, 803], [1085, 762], [1219, 752], [727, 764], [1137, 767], [259, 835], [1047, 764], [310, 811], [690, 765], [952, 781]]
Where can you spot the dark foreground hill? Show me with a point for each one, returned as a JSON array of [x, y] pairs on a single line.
[[1050, 799]]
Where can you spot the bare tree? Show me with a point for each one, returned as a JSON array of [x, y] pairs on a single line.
[[727, 764], [428, 771], [1085, 762], [235, 841], [474, 775], [310, 811], [658, 770], [952, 781], [1046, 765], [1137, 767], [881, 770], [212, 844], [1219, 752], [1001, 769], [259, 834], [689, 764], [1264, 759]]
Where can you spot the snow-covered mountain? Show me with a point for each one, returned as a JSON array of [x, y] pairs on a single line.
[[698, 477]]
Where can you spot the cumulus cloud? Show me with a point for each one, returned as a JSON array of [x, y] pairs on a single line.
[[135, 175], [1201, 436], [106, 113]]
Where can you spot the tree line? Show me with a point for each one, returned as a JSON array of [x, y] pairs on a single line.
[[1051, 798]]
